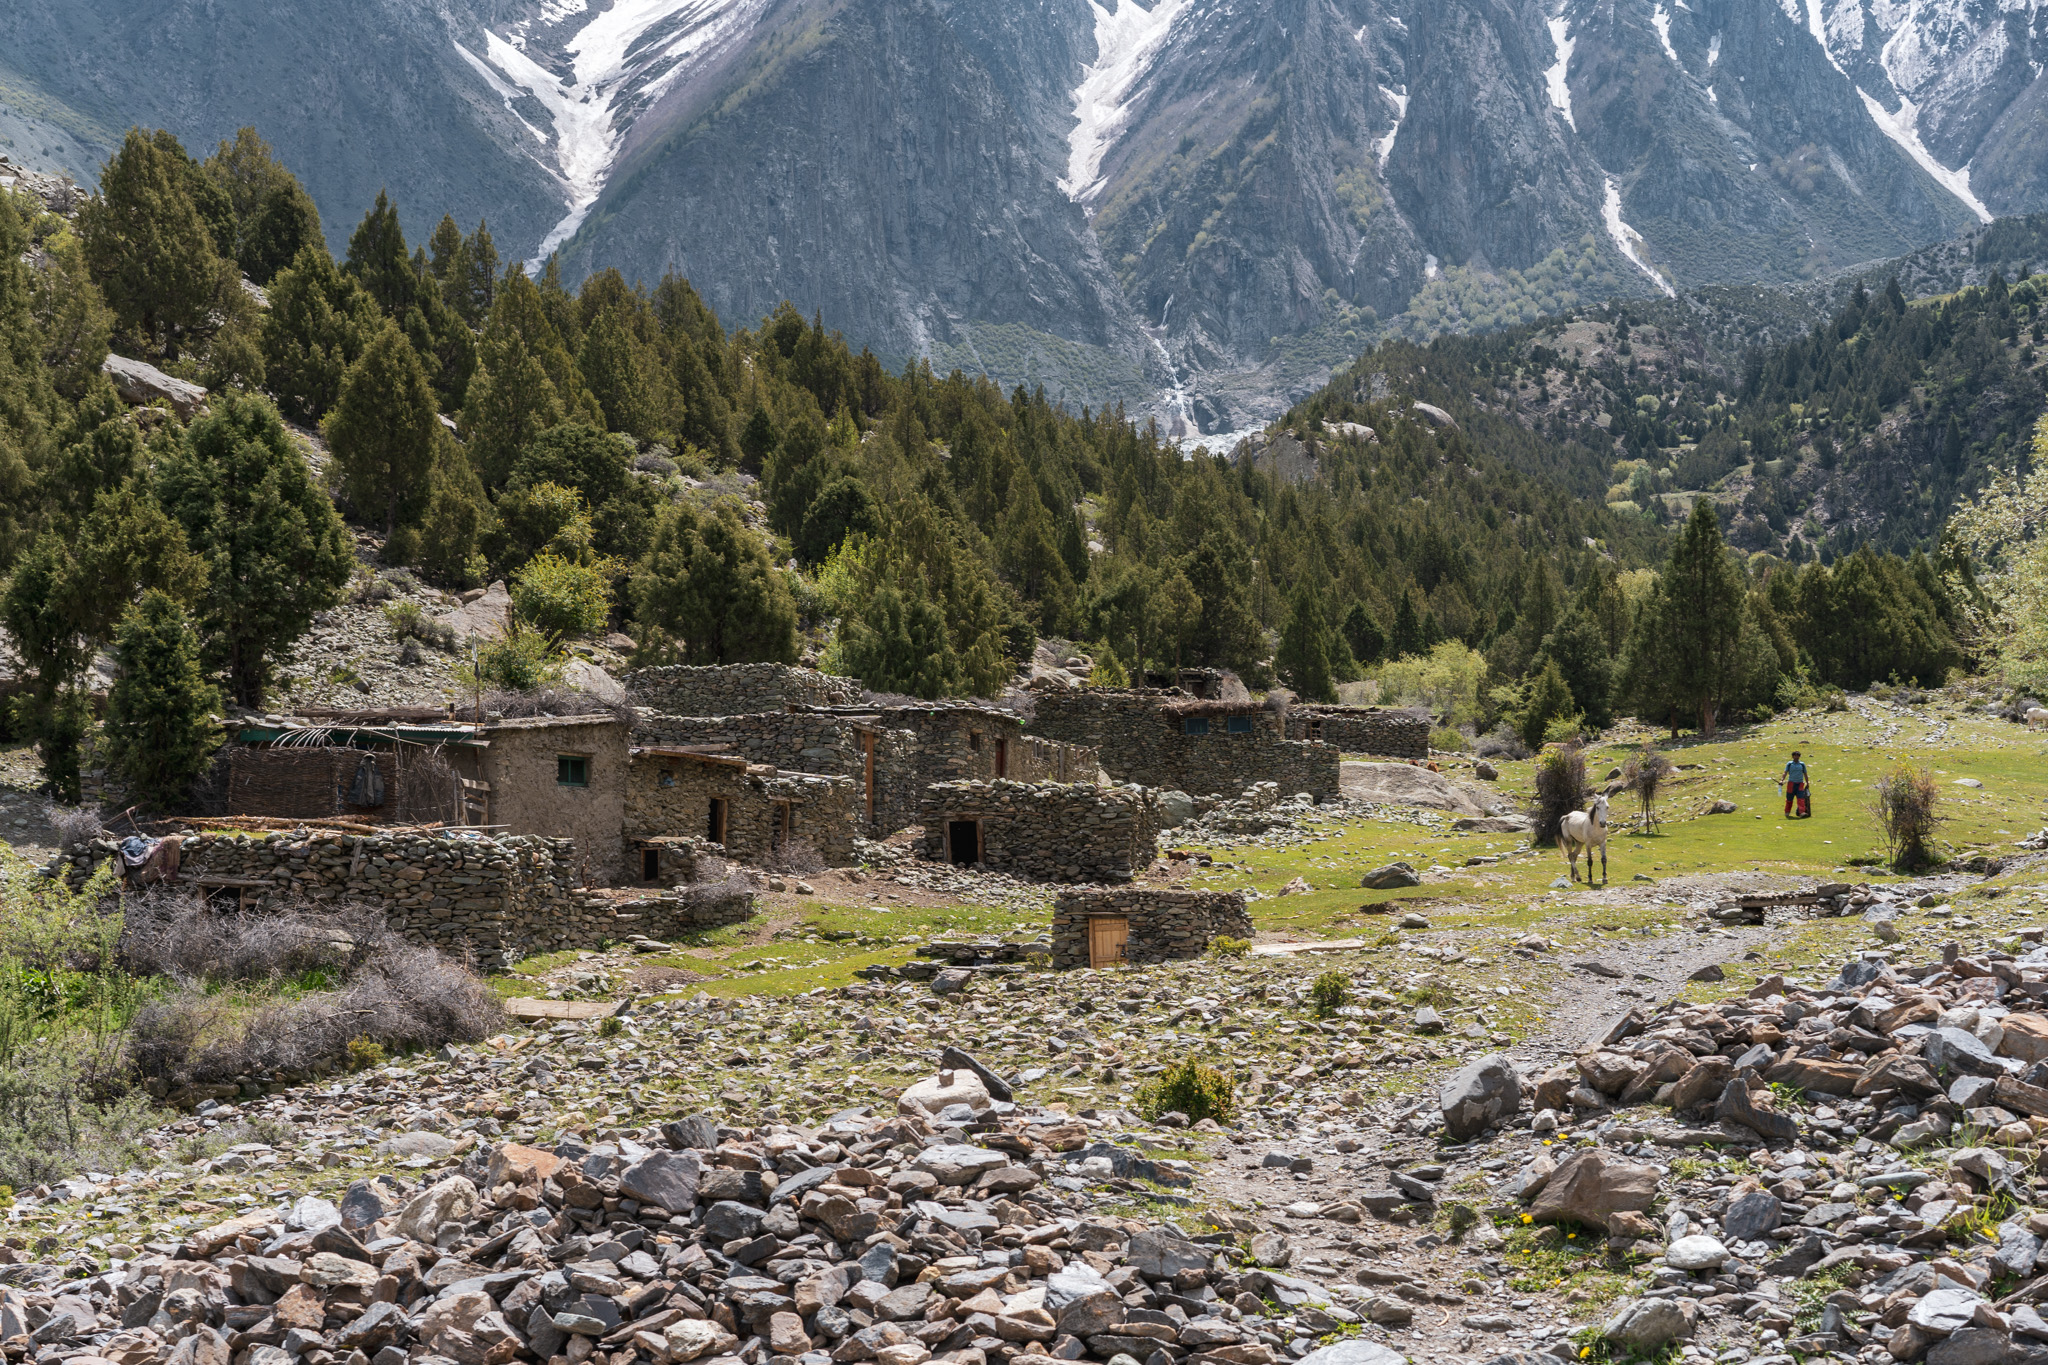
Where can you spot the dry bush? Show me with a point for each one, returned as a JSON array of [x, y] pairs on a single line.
[[1501, 743], [1560, 789], [797, 858], [554, 701], [76, 826], [1904, 803], [344, 976], [1645, 771]]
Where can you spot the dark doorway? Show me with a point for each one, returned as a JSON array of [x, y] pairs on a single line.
[[963, 841], [715, 827], [650, 864]]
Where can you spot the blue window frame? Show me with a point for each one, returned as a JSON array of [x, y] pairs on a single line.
[[1194, 725], [1238, 725]]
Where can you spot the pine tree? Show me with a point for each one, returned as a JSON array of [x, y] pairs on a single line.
[[277, 551], [1703, 612], [1550, 699], [898, 645], [319, 322], [1406, 637], [148, 246], [1364, 635], [610, 365], [379, 261], [707, 586], [476, 288], [273, 216], [1578, 650], [40, 608], [160, 721], [443, 250], [1305, 658], [384, 428], [456, 520]]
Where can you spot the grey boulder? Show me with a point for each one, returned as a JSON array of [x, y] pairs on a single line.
[[1480, 1095], [1646, 1325]]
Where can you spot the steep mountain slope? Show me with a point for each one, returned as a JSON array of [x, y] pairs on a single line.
[[354, 98], [1196, 206]]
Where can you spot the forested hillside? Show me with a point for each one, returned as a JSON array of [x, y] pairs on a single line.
[[626, 463]]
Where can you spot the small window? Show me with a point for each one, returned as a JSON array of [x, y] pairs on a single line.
[[572, 770], [668, 777], [1238, 725], [974, 740], [1195, 725]]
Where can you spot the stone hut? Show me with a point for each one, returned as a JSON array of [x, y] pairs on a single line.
[[553, 777], [881, 762], [1167, 739], [1362, 729], [1046, 831], [750, 811], [736, 689], [1139, 924]]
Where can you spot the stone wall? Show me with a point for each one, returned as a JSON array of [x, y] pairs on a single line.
[[1047, 831], [1141, 739], [737, 689], [1164, 925], [671, 794], [1362, 730], [496, 899], [810, 742]]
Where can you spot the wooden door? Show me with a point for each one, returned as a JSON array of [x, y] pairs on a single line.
[[1107, 936], [1002, 758]]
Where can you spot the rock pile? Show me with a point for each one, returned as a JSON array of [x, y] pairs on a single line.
[[1895, 1116], [932, 1234]]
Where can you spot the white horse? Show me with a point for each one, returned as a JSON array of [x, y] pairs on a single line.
[[2036, 716], [1582, 832]]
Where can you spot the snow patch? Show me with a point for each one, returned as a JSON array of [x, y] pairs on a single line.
[[1791, 8], [1359, 37], [1554, 78], [1386, 144], [1817, 25], [1629, 241], [1127, 38], [609, 62], [1660, 19], [1713, 51], [1429, 267], [1904, 129], [501, 89]]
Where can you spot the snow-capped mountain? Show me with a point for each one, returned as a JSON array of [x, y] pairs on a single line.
[[1196, 205]]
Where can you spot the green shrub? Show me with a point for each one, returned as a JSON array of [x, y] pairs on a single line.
[[561, 596], [1189, 1087], [1225, 946], [522, 661], [1448, 738], [1330, 992], [364, 1054], [1904, 803]]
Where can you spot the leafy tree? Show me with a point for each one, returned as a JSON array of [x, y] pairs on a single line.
[[71, 317], [1304, 661], [319, 323], [575, 455], [161, 726], [561, 596], [148, 246], [706, 593], [843, 508], [276, 550], [537, 517], [384, 428]]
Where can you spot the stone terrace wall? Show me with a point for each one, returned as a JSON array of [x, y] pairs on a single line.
[[1362, 730], [798, 741], [670, 795], [1138, 744], [737, 689], [1048, 831], [496, 898], [1164, 925]]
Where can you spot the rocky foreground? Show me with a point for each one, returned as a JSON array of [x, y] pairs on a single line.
[[1844, 1169]]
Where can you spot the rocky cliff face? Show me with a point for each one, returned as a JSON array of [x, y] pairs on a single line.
[[1200, 205]]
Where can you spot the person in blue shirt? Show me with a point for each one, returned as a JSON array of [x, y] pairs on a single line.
[[1798, 785]]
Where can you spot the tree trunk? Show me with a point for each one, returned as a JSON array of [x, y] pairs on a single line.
[[1706, 718]]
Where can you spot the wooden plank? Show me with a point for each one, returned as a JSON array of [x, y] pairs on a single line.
[[528, 1008]]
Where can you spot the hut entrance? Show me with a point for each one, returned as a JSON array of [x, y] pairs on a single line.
[[963, 842], [1107, 936]]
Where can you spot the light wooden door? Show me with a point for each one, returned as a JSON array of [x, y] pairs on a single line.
[[1106, 939]]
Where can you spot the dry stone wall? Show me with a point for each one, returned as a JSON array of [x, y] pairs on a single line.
[[1139, 742], [497, 899], [737, 689], [807, 742], [1047, 831], [672, 795], [1362, 730], [1164, 925]]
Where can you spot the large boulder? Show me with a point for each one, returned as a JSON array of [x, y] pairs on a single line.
[[1392, 877], [1401, 784], [1483, 1093], [1176, 808], [484, 617], [1647, 1325], [141, 383], [934, 1094], [450, 1201], [1593, 1184], [1354, 1351]]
